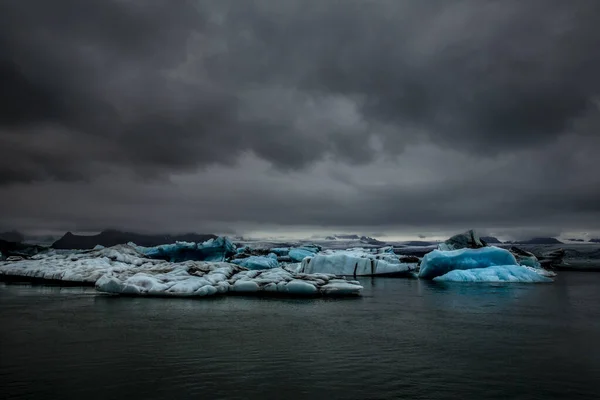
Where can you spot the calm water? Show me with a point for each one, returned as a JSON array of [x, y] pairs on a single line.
[[403, 339]]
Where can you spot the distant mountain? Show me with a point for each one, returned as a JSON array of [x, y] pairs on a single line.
[[541, 240], [418, 243], [490, 240], [42, 240], [8, 249], [595, 240], [12, 236], [113, 237], [330, 238], [348, 237], [576, 240]]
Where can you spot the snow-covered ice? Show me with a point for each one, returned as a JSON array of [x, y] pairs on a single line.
[[213, 278], [123, 270], [356, 262], [438, 262], [285, 281], [498, 273], [194, 279], [83, 267]]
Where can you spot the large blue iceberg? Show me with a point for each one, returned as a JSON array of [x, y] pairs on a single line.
[[499, 273], [212, 250], [438, 262]]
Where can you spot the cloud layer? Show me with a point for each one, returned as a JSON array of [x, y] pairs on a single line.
[[197, 115]]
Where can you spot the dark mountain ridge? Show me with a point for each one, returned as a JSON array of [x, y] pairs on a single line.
[[111, 237]]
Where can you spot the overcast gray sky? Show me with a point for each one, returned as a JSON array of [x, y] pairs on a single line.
[[377, 116]]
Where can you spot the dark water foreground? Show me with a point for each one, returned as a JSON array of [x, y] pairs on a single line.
[[402, 339]]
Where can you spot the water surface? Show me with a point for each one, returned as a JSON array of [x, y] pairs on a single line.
[[402, 339]]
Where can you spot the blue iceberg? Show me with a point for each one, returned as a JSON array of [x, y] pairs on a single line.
[[212, 250], [299, 253], [498, 273], [438, 262], [280, 251], [258, 262]]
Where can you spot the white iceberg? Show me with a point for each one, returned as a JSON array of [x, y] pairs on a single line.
[[80, 267], [498, 273], [438, 262], [356, 262], [198, 279]]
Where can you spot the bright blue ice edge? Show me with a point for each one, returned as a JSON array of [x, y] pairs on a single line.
[[258, 262], [498, 273], [438, 263]]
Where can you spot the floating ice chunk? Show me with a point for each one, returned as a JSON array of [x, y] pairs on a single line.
[[83, 267], [541, 271], [437, 262], [241, 250], [245, 286], [285, 281], [123, 270], [298, 254], [189, 279], [340, 288], [356, 262], [525, 258], [258, 262], [301, 287], [98, 247], [469, 239], [280, 251], [498, 273], [212, 250]]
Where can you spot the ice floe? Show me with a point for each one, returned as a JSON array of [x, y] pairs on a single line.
[[498, 273], [212, 278], [285, 281], [211, 250], [83, 267], [438, 262], [467, 240], [197, 279], [123, 269], [258, 262], [356, 262], [298, 254]]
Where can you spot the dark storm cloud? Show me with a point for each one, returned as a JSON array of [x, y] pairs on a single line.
[[169, 86], [369, 113]]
